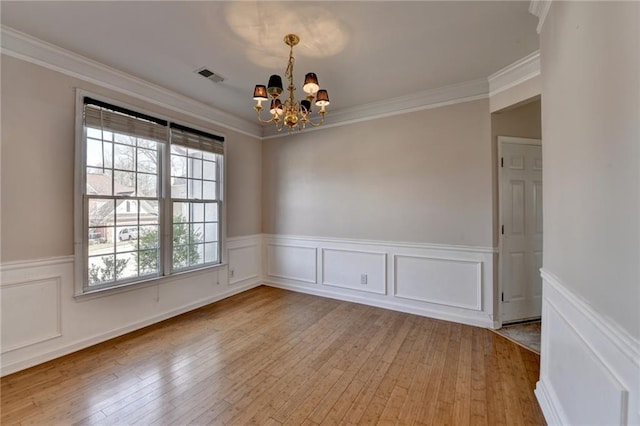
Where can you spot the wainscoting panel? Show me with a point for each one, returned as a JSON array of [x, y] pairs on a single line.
[[443, 281], [31, 312], [244, 259], [357, 270], [292, 262], [453, 283], [42, 319], [590, 367]]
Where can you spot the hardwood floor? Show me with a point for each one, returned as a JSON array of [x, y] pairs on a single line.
[[269, 356]]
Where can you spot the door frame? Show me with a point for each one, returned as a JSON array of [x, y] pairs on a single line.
[[501, 140]]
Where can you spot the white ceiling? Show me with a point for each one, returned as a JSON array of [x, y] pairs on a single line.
[[362, 52]]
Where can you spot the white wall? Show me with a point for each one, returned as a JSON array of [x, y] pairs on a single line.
[[590, 55], [40, 317]]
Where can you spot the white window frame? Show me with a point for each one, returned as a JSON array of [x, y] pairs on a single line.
[[165, 273]]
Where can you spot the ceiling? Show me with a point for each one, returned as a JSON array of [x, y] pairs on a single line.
[[362, 52]]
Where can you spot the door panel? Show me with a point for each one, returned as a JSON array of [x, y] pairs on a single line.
[[521, 242]]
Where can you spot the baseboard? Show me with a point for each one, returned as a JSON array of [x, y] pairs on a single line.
[[590, 366], [547, 405], [93, 340]]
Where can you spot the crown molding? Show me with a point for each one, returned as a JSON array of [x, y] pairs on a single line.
[[514, 74], [28, 48], [428, 99], [540, 8]]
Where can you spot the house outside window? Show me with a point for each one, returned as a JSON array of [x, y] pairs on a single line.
[[151, 197]]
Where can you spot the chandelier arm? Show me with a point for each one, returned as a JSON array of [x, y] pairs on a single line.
[[259, 114], [318, 123]]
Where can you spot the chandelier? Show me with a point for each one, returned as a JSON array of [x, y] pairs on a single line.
[[291, 113]]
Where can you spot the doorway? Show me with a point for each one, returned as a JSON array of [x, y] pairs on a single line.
[[520, 233]]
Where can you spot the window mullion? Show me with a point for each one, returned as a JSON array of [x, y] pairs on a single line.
[[166, 245]]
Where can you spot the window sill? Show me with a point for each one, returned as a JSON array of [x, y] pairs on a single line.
[[124, 288]]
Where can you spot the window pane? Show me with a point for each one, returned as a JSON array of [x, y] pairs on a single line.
[[194, 189], [180, 256], [147, 185], [211, 212], [197, 232], [177, 149], [180, 212], [101, 212], [100, 241], [209, 190], [149, 237], [196, 254], [99, 183], [211, 232], [197, 212], [101, 269], [194, 167], [178, 166], [148, 261], [209, 156], [149, 213], [211, 252], [146, 143], [124, 183], [147, 160], [180, 234], [126, 266], [124, 157], [92, 132], [127, 212], [94, 153], [124, 139], [209, 170], [194, 153]]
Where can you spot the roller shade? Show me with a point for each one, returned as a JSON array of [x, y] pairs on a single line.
[[191, 138], [110, 118]]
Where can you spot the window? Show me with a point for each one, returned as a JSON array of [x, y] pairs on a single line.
[[139, 171]]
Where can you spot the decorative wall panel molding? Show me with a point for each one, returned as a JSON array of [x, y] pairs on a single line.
[[355, 269], [292, 262], [31, 312], [447, 282], [244, 255], [590, 367]]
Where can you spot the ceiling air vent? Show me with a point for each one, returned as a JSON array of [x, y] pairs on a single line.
[[210, 75]]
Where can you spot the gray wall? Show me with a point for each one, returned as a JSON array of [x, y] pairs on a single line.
[[590, 56], [418, 177]]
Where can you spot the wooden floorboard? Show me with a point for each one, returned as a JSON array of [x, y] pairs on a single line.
[[273, 357]]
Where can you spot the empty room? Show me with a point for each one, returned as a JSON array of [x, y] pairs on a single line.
[[320, 212]]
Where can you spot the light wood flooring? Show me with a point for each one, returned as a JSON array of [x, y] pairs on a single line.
[[269, 356]]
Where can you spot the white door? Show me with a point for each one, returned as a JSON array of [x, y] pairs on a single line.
[[521, 228]]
